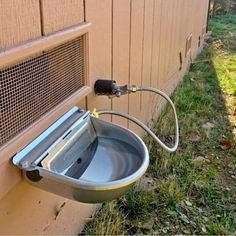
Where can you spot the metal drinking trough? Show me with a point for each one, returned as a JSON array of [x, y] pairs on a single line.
[[84, 158]]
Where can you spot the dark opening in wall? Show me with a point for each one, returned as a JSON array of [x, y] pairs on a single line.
[[199, 41], [180, 61]]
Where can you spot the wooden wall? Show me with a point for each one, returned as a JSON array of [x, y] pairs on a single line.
[[131, 41]]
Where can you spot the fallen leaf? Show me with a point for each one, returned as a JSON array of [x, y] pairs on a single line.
[[234, 131], [200, 159], [147, 183], [184, 218], [164, 230], [200, 209], [172, 213], [148, 225], [186, 231], [225, 145], [204, 229], [188, 203], [208, 125], [192, 223], [194, 137]]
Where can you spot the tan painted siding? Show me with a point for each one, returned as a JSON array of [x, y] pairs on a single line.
[[130, 41], [58, 14], [154, 100], [26, 210], [120, 52], [135, 60], [99, 12], [19, 21]]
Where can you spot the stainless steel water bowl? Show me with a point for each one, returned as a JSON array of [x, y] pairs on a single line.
[[84, 158]]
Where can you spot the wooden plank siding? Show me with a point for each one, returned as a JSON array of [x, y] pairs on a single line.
[[100, 56], [19, 22], [59, 14], [130, 41], [154, 100], [120, 53], [135, 60], [147, 59]]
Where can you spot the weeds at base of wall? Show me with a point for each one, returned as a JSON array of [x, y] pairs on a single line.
[[192, 191]]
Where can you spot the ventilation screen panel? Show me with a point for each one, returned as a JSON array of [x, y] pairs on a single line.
[[32, 87]]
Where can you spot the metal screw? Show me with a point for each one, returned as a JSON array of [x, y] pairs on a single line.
[[24, 164]]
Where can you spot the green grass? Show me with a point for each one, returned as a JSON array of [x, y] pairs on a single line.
[[226, 71], [221, 25], [193, 190]]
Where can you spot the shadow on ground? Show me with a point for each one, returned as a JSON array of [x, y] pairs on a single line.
[[192, 191]]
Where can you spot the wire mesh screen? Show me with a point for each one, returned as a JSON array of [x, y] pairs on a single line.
[[32, 87]]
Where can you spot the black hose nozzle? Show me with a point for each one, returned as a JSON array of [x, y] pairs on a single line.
[[106, 87], [111, 89]]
